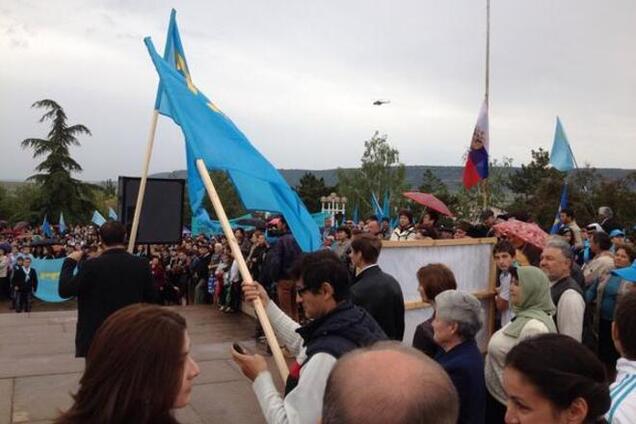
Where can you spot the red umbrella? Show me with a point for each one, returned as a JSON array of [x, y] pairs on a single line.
[[20, 225], [429, 201], [526, 231]]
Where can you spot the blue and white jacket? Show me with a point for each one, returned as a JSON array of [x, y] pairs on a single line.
[[623, 393]]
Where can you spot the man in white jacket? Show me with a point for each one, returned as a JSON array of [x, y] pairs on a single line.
[[623, 390], [335, 327]]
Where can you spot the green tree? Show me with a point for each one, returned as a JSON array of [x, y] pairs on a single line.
[[110, 188], [380, 172], [537, 188], [310, 189], [59, 191], [22, 204], [469, 203]]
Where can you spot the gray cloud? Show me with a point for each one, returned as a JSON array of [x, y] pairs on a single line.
[[299, 77]]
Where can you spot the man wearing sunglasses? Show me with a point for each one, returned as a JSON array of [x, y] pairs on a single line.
[[335, 326]]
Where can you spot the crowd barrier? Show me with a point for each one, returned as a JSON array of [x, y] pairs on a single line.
[[470, 260]]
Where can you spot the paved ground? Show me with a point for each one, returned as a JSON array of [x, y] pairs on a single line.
[[38, 370]]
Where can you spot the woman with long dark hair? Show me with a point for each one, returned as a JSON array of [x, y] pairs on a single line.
[[138, 370], [552, 378]]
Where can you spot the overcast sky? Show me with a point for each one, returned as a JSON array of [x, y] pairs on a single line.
[[299, 77]]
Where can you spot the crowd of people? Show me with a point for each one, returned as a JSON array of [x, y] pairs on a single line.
[[564, 349]]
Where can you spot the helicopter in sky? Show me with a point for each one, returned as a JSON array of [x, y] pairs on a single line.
[[380, 102]]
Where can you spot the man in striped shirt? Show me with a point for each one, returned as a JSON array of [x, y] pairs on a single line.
[[623, 390]]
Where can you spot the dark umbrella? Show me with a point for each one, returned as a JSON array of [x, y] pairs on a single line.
[[429, 201], [45, 242]]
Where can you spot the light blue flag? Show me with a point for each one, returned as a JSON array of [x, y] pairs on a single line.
[[375, 205], [319, 218], [98, 219], [62, 224], [112, 214], [355, 216], [46, 227], [48, 272], [175, 58], [215, 139], [561, 156], [386, 205], [562, 205]]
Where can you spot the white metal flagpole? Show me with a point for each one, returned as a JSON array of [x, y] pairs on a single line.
[[245, 273]]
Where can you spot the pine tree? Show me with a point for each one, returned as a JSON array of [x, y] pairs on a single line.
[[59, 191]]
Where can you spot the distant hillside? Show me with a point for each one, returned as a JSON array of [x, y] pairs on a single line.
[[450, 175]]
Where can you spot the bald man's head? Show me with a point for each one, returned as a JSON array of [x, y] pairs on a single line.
[[389, 383]]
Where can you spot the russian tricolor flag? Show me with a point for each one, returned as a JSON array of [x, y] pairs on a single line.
[[476, 168]]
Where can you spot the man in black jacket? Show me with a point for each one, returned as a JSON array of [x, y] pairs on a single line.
[[335, 326], [104, 284], [25, 283], [374, 290]]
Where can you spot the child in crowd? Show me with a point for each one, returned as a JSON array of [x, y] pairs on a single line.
[[504, 253]]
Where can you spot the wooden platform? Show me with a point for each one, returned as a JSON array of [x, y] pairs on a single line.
[[38, 369]]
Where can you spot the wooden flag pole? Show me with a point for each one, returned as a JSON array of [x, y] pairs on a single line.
[[245, 273], [142, 184]]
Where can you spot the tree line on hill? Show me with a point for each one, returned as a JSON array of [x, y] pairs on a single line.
[[534, 188]]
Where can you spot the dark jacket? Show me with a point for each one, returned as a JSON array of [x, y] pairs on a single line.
[[464, 364], [345, 328], [103, 285], [19, 280], [202, 267], [381, 296], [423, 338], [610, 224], [281, 257]]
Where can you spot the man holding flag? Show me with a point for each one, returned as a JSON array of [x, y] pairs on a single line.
[[567, 218]]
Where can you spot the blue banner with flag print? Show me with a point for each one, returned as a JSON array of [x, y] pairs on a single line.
[[48, 272]]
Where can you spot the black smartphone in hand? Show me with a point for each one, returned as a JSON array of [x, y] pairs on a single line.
[[240, 349]]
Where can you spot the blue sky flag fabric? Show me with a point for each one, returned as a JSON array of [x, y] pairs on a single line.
[[561, 156], [112, 214], [375, 204], [386, 205], [175, 58], [98, 219], [215, 139], [46, 227], [562, 205], [62, 224]]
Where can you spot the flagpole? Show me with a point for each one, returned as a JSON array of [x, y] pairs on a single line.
[[247, 277], [142, 184], [487, 49], [484, 186]]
